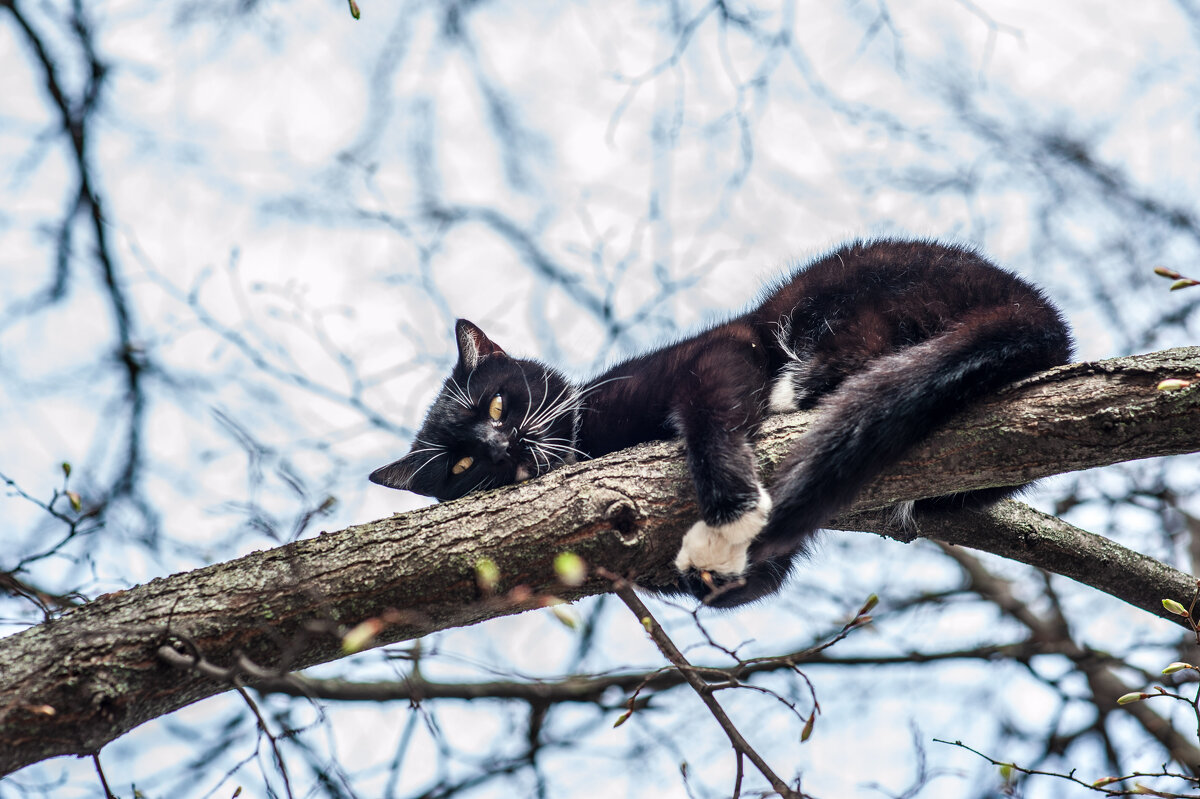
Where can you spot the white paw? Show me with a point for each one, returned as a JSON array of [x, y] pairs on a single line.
[[722, 549]]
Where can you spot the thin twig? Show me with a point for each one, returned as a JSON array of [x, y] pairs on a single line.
[[108, 794], [262, 725], [1107, 786], [741, 747]]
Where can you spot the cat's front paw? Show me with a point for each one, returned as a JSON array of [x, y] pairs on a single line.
[[721, 549]]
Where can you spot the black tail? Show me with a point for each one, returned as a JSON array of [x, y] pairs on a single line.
[[874, 417]]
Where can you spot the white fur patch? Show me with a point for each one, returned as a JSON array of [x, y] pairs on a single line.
[[722, 549], [784, 397], [783, 393]]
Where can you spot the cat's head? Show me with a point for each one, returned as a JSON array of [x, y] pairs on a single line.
[[498, 420]]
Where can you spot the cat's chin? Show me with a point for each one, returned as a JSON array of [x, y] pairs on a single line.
[[523, 474]]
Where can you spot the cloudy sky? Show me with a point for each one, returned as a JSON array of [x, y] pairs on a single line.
[[297, 206]]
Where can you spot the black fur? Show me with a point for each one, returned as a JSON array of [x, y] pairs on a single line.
[[889, 339]]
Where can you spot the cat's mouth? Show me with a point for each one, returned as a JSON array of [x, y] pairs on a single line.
[[523, 474]]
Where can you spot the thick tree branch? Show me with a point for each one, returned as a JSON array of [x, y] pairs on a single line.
[[70, 685]]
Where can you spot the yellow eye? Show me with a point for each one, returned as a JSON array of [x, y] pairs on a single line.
[[496, 408], [462, 465]]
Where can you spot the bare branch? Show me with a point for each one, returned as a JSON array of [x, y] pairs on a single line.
[[98, 671]]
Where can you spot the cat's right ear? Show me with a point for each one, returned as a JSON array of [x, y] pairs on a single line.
[[399, 474], [473, 345]]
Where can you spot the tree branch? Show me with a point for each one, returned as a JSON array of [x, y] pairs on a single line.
[[71, 684]]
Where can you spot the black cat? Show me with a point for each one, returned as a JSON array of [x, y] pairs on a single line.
[[888, 338]]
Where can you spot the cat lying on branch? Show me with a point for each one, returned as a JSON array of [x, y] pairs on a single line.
[[888, 339]]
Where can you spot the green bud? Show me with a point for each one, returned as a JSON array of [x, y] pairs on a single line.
[[66, 467], [487, 575], [361, 636], [1177, 666], [806, 733], [1173, 384], [354, 12], [565, 614], [1129, 699], [570, 568], [1174, 607]]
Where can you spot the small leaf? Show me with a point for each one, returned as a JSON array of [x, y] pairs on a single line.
[[66, 467], [487, 575], [1006, 772], [570, 568], [1129, 699], [648, 623], [1100, 783], [354, 12], [1174, 607], [1170, 274], [361, 636], [1173, 384], [806, 733], [1183, 284], [76, 502], [1177, 666], [870, 604], [624, 717]]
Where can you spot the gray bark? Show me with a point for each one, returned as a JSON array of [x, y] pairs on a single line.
[[72, 684]]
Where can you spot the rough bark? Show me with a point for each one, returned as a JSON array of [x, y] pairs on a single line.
[[70, 685]]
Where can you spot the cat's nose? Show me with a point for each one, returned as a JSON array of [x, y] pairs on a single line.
[[500, 447]]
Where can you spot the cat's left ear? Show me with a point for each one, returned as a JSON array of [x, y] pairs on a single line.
[[473, 345]]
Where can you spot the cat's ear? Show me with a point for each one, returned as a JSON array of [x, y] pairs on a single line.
[[397, 474], [473, 345]]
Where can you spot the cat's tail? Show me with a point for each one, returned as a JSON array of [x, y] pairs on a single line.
[[874, 417]]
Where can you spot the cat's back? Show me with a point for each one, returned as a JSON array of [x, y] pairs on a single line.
[[930, 284], [867, 299], [863, 272]]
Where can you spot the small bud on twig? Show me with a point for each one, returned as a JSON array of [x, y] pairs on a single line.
[[1174, 607], [1129, 699]]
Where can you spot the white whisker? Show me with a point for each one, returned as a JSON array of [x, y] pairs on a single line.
[[457, 394]]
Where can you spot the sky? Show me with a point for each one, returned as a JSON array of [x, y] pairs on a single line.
[[301, 204]]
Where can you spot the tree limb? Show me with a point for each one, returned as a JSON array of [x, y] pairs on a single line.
[[74, 683]]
